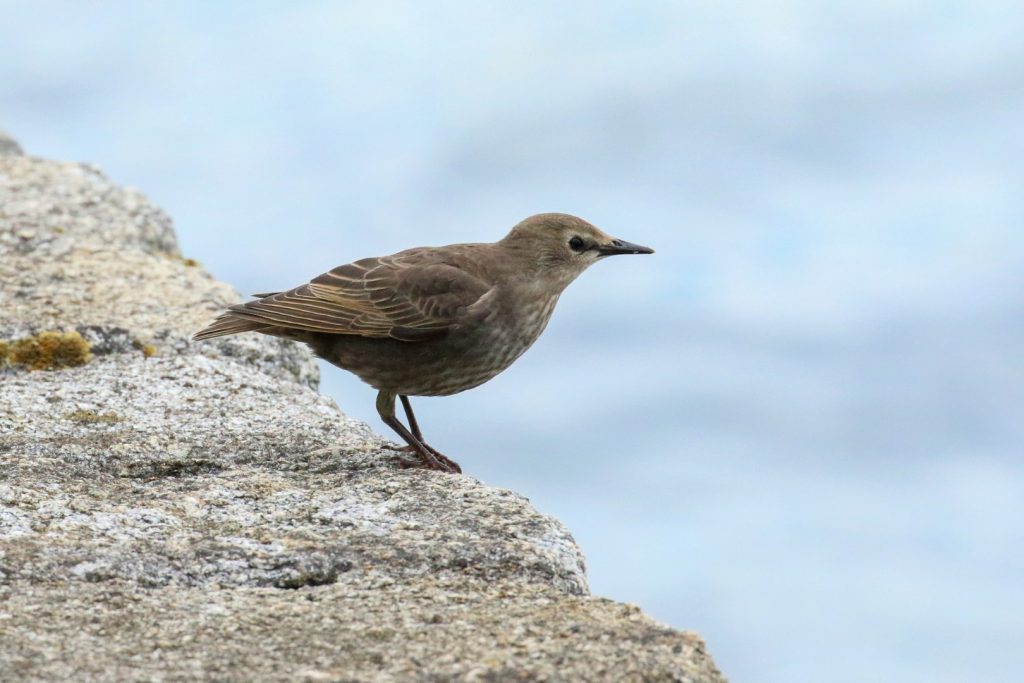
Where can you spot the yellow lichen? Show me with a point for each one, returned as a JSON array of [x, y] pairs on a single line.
[[92, 417], [49, 351], [5, 350], [190, 262], [148, 350]]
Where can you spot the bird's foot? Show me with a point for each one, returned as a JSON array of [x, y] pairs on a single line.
[[435, 460]]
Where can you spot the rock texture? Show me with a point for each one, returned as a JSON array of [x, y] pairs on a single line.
[[8, 146], [181, 511]]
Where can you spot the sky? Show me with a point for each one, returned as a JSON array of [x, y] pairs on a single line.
[[799, 427]]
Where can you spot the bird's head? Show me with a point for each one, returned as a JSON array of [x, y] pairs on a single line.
[[560, 246]]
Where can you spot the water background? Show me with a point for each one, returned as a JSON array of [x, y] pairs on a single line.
[[799, 427]]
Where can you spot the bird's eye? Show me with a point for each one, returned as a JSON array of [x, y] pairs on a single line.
[[576, 243]]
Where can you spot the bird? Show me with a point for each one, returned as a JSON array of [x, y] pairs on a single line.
[[431, 321]]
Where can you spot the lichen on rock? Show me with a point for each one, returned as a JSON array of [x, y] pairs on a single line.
[[181, 511], [92, 417], [46, 351]]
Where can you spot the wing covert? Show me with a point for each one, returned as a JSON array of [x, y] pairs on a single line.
[[379, 297]]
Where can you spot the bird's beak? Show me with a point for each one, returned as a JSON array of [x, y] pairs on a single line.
[[622, 247]]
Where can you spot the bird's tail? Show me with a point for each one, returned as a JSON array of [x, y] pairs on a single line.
[[229, 323]]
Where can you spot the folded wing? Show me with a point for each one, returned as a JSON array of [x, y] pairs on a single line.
[[399, 296]]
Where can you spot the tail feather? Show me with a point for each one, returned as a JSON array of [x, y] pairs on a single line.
[[229, 323]]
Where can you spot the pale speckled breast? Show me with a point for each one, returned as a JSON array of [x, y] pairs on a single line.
[[498, 348], [466, 358]]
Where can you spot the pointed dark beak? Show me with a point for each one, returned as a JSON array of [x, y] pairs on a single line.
[[622, 247]]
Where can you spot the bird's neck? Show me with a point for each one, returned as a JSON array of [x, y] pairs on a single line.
[[527, 272]]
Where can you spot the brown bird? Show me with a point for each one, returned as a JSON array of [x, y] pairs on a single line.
[[432, 321]]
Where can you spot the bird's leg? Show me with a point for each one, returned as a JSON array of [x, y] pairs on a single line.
[[386, 410], [414, 426]]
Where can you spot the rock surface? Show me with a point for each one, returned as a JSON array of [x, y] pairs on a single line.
[[8, 145], [197, 511]]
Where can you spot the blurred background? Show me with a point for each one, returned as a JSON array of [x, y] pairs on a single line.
[[799, 427]]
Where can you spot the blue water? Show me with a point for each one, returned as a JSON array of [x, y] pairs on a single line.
[[799, 427]]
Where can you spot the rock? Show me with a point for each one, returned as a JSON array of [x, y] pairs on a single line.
[[8, 147], [181, 510]]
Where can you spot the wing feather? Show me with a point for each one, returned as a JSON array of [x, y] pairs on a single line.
[[412, 296]]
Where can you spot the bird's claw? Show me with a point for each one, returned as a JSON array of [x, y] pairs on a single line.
[[441, 462]]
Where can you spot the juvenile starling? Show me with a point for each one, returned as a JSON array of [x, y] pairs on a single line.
[[432, 321]]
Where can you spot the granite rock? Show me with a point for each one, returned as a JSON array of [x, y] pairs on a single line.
[[8, 146], [197, 511]]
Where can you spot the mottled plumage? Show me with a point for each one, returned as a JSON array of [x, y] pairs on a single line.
[[431, 321]]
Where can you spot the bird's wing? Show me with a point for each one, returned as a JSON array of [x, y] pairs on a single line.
[[400, 296]]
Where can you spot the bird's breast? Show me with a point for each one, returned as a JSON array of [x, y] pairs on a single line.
[[517, 326]]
